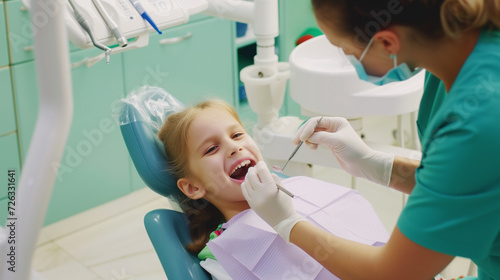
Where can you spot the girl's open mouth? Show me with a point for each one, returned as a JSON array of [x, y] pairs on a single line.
[[240, 171]]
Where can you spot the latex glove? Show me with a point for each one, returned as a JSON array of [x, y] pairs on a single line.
[[272, 205], [352, 153]]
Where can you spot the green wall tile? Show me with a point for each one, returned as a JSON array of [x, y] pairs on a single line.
[[8, 123], [20, 32], [3, 213], [9, 159], [4, 51], [193, 69], [95, 166]]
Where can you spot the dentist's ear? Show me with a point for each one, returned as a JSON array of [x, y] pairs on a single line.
[[390, 40], [190, 189]]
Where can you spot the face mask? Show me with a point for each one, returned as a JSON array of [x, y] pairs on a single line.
[[396, 74]]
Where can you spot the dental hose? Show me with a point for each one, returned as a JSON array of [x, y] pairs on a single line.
[[84, 23]]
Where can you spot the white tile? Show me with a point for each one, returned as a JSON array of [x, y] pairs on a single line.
[[152, 276], [43, 238], [145, 265], [53, 263], [96, 215], [122, 235]]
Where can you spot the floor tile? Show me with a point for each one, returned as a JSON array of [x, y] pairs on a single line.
[[109, 240], [53, 263], [145, 265], [95, 215]]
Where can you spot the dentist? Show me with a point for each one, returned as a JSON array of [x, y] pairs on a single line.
[[454, 203]]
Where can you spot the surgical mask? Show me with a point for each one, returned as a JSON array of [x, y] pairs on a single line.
[[396, 74]]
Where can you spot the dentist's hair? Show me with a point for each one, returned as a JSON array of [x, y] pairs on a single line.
[[432, 19], [460, 15], [203, 216]]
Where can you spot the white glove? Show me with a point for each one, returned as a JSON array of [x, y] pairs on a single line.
[[353, 155], [272, 205]]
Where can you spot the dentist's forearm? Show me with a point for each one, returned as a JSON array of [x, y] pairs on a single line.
[[344, 258], [400, 258], [403, 174]]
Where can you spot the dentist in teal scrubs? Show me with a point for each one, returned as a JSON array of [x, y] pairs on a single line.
[[454, 203]]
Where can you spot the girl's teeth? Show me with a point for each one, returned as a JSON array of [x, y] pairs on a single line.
[[244, 163]]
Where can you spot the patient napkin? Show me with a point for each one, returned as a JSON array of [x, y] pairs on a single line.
[[250, 249]]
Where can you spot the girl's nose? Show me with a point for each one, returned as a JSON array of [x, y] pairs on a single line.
[[234, 150]]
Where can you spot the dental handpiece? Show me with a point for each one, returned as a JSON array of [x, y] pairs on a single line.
[[113, 27], [84, 23]]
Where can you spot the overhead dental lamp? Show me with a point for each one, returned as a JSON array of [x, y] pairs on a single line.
[[324, 82]]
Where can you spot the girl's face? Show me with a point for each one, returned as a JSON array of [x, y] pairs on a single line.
[[220, 154]]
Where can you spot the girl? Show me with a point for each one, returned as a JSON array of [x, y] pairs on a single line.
[[211, 153]]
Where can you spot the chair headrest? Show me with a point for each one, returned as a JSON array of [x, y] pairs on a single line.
[[140, 116]]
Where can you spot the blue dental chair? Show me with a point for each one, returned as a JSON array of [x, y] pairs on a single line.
[[140, 116]]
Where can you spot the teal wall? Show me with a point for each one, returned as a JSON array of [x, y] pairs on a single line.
[[295, 17], [4, 52], [96, 167]]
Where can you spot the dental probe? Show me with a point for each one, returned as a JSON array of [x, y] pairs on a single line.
[[113, 27], [298, 146], [84, 23]]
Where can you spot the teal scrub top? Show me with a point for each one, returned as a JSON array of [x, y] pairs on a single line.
[[455, 205]]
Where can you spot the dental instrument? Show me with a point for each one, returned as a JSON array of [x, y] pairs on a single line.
[[298, 147], [140, 9], [287, 192], [84, 23], [113, 27]]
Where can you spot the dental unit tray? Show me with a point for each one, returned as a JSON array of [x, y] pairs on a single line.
[[164, 13]]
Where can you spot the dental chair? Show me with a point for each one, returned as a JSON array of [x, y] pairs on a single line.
[[140, 117]]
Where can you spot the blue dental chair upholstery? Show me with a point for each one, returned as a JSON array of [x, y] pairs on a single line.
[[140, 116]]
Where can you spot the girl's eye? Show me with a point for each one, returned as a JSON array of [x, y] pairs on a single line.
[[210, 150], [237, 135]]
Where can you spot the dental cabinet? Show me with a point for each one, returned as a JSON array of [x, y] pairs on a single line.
[[94, 168], [20, 31]]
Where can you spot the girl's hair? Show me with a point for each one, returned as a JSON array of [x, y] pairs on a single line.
[[431, 18], [203, 216]]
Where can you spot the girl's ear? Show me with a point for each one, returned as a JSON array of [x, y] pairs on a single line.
[[190, 189]]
